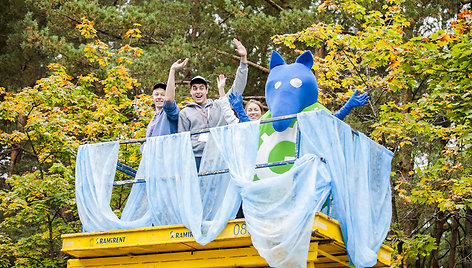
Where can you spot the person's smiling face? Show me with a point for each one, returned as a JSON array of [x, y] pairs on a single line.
[[157, 97], [253, 111], [198, 92]]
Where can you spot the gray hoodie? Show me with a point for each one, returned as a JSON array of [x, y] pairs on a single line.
[[191, 118]]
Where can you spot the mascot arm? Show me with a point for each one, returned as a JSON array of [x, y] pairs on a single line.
[[236, 101], [354, 101]]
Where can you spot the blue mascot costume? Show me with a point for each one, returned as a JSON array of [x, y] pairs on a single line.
[[290, 89]]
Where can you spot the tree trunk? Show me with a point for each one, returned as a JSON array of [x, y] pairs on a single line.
[[196, 16], [15, 156], [452, 252], [438, 231], [467, 252]]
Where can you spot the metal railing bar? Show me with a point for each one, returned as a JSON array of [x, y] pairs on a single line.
[[220, 171], [263, 121], [297, 143], [126, 169], [141, 140], [132, 172], [194, 132], [125, 182], [127, 172]]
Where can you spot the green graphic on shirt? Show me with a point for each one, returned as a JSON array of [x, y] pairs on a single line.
[[278, 146], [284, 150]]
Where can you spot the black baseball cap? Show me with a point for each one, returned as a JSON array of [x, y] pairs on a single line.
[[159, 85], [198, 80]]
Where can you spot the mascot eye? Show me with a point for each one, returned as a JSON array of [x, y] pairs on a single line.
[[295, 82], [278, 84]]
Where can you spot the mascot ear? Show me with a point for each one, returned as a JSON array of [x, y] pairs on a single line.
[[276, 60], [306, 59]]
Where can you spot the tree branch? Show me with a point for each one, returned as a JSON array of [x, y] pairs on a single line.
[[35, 154], [272, 3], [98, 30], [257, 66], [417, 229], [420, 85], [150, 38], [154, 41], [363, 81]]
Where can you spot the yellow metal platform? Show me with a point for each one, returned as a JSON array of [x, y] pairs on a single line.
[[174, 246]]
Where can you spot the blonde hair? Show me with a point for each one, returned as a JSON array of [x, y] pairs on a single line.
[[258, 103]]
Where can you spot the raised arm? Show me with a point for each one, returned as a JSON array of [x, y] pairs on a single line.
[[221, 81], [241, 50], [240, 80], [354, 101], [228, 113], [236, 101], [170, 91]]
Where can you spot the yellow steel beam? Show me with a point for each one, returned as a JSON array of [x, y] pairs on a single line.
[[230, 257], [334, 258], [157, 241]]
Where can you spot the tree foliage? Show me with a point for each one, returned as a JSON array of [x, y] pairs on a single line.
[[420, 108], [57, 115], [76, 72]]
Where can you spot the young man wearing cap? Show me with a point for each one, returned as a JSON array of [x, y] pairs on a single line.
[[205, 113], [166, 116]]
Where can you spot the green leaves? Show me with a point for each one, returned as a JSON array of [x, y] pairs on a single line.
[[410, 247], [55, 117], [422, 90], [419, 80]]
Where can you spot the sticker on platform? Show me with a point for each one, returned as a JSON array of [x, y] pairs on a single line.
[[385, 256], [321, 225], [110, 240], [68, 244], [174, 235]]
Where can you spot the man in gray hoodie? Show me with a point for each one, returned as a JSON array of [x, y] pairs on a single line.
[[206, 113]]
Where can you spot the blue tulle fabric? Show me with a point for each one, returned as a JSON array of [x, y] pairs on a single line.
[[360, 170], [279, 211]]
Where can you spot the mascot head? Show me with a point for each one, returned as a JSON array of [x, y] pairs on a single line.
[[290, 88]]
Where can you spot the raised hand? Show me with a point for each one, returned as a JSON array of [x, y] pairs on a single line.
[[357, 100], [170, 91], [236, 101], [179, 64], [221, 82], [240, 49], [354, 101]]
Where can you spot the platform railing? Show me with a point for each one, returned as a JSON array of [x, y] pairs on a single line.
[[132, 172]]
